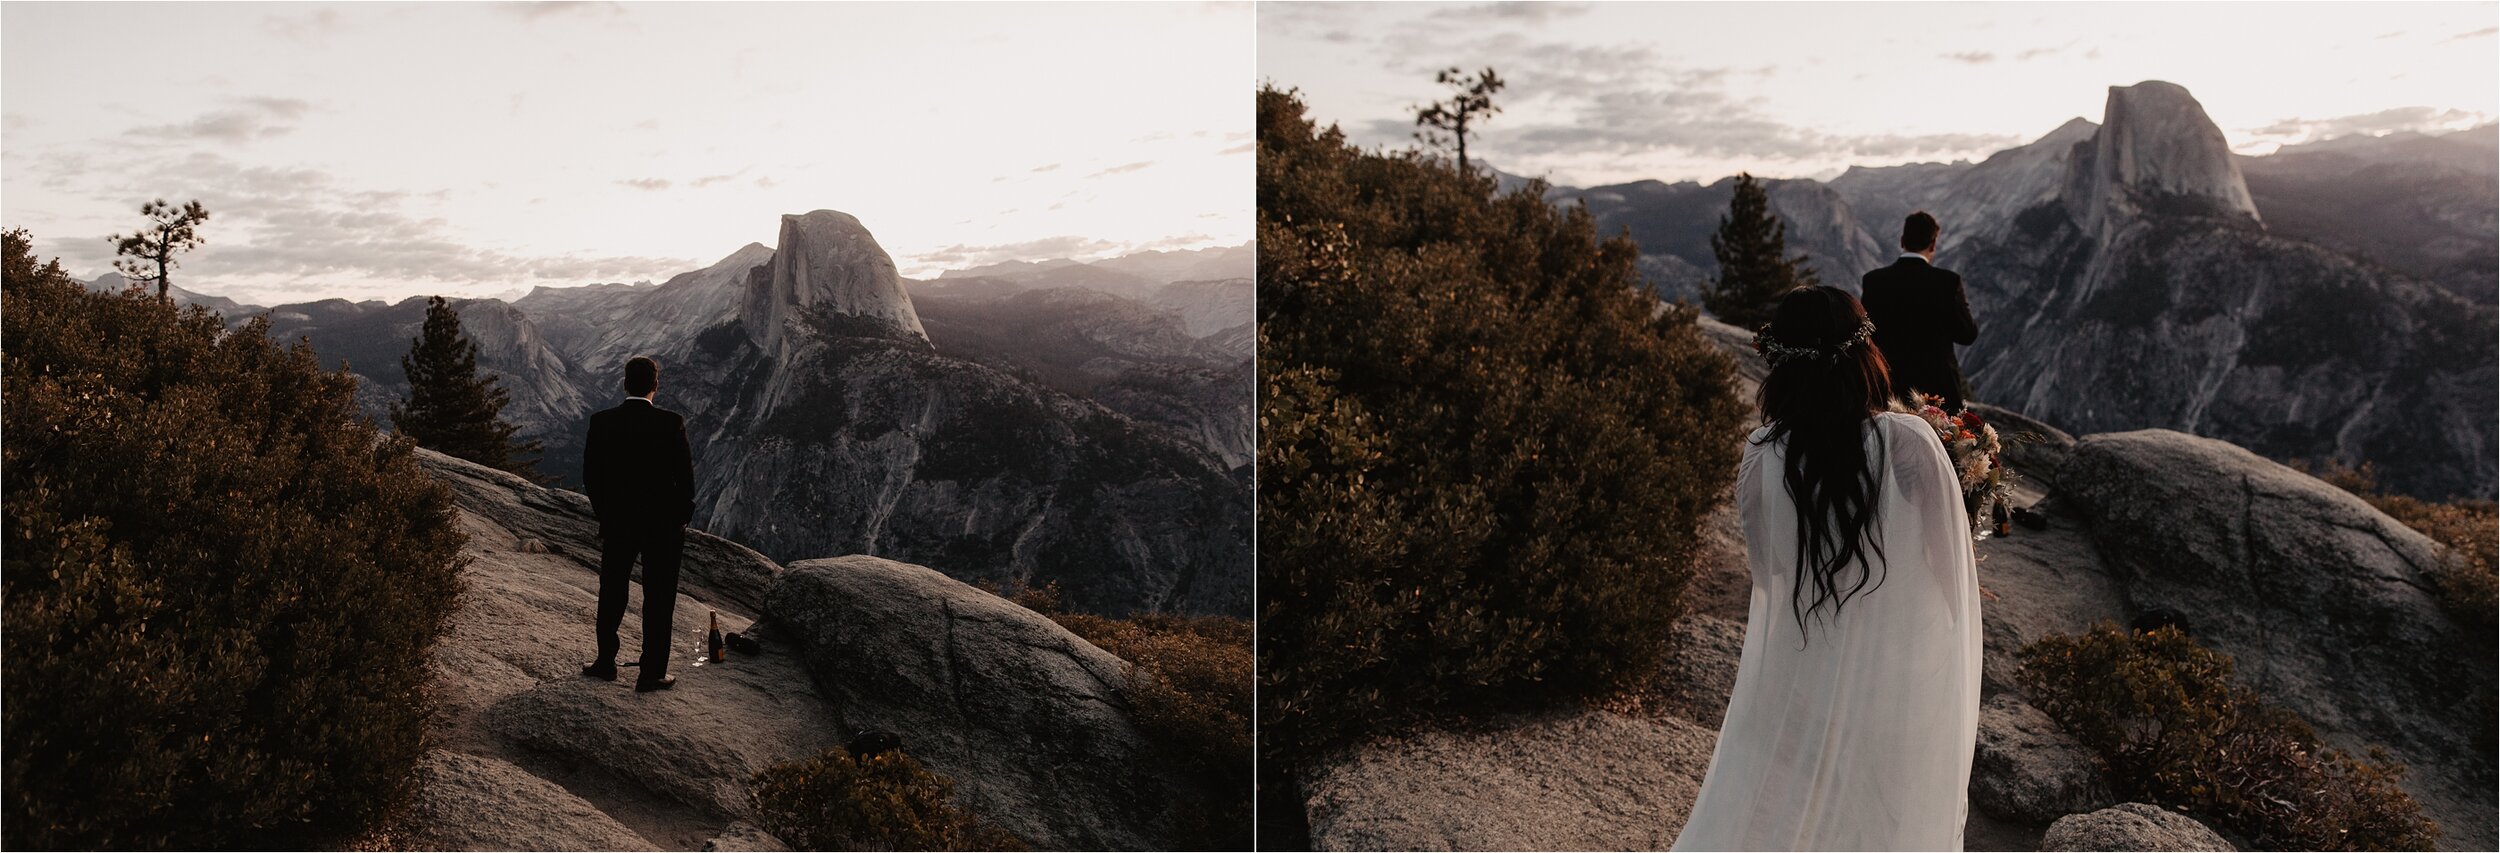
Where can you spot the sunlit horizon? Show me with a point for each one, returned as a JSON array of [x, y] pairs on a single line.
[[388, 150], [1610, 92]]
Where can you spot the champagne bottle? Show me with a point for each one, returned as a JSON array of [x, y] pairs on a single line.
[[719, 653], [2005, 525]]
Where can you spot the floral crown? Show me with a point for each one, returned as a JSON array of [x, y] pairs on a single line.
[[1777, 353]]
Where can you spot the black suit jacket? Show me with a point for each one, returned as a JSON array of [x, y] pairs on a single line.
[[637, 468], [1920, 312]]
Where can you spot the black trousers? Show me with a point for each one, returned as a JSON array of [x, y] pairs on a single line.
[[661, 547]]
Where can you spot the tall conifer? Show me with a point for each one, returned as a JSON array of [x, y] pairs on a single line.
[[450, 407], [1754, 266]]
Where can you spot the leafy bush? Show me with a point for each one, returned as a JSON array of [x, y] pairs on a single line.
[[221, 584], [2170, 726], [1484, 449], [1190, 692], [886, 801]]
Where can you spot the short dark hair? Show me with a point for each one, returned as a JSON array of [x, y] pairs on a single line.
[[1919, 232], [642, 376]]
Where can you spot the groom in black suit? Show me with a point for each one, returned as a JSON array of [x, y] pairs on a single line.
[[640, 477], [1920, 312]]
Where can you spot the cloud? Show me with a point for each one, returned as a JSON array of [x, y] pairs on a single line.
[[709, 180], [1630, 102], [303, 29], [2037, 52], [552, 8], [1122, 168], [280, 107], [2481, 33], [316, 234], [1242, 148], [1973, 57], [2417, 118], [1709, 124], [960, 256], [647, 124], [1170, 243], [648, 184], [253, 118], [1049, 168], [221, 126], [1512, 14], [765, 183]]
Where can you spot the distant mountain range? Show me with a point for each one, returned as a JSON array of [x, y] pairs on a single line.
[[2328, 301], [1080, 424]]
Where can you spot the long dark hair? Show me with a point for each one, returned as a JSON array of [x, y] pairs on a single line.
[[1827, 379]]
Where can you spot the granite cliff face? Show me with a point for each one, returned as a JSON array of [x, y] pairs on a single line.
[[1672, 224], [2424, 205], [826, 263], [1964, 196], [1146, 360], [824, 420], [2125, 277], [2151, 295], [2156, 153]]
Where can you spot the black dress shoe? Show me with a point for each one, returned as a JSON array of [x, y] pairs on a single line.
[[604, 670], [647, 685]]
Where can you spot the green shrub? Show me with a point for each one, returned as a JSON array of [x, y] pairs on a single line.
[[1190, 691], [2170, 726], [1484, 449], [221, 584], [883, 802]]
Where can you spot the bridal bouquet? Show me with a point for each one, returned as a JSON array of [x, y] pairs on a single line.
[[1972, 446]]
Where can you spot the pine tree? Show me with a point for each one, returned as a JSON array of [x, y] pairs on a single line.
[[147, 256], [1754, 267], [452, 409], [1471, 101]]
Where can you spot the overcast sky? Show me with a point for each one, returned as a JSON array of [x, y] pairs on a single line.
[[387, 150], [1606, 93]]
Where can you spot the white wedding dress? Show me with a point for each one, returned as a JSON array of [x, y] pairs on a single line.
[[1859, 736]]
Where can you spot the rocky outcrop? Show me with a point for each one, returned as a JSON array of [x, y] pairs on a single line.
[[461, 801], [827, 263], [2155, 152], [872, 446], [2132, 826], [2325, 603], [1208, 307], [1587, 780], [1032, 721], [2026, 768], [1096, 450], [2032, 449], [743, 836]]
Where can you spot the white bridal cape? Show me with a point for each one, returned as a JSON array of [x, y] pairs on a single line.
[[1859, 736]]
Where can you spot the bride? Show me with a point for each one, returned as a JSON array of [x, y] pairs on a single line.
[[1857, 699]]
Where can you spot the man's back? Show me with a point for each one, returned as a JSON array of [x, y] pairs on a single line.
[[1920, 312], [636, 466]]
